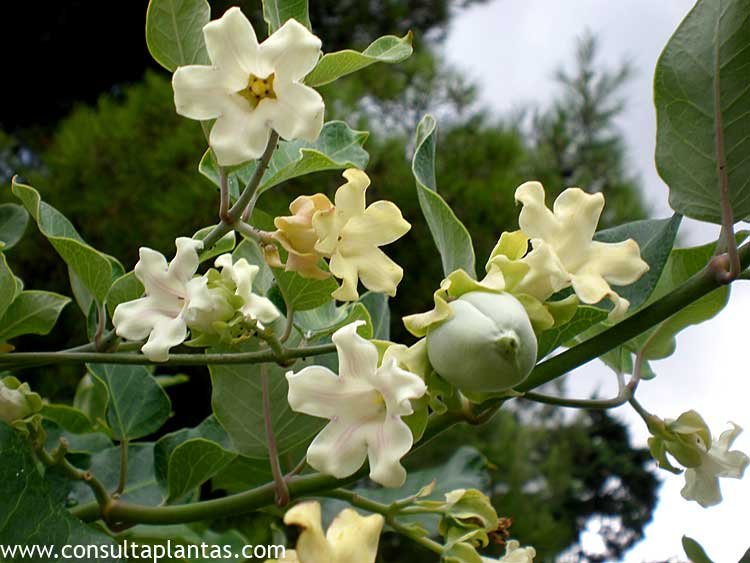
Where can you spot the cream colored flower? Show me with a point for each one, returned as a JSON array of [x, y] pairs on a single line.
[[364, 403], [251, 88], [702, 481], [17, 400], [350, 538], [564, 251], [241, 275], [514, 553], [298, 237], [350, 235]]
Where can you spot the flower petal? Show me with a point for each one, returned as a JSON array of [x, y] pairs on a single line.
[[377, 272], [135, 319], [387, 443], [185, 262], [354, 538], [233, 47], [312, 542], [317, 391], [358, 358], [346, 271], [340, 448], [165, 334], [619, 263], [398, 386], [380, 224], [240, 133], [701, 487], [292, 51], [298, 111], [199, 91]]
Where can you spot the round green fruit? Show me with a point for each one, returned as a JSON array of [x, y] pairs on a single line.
[[487, 346]]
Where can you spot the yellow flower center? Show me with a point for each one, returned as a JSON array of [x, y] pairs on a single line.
[[258, 89]]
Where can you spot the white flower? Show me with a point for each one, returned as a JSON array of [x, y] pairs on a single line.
[[564, 249], [17, 401], [250, 88], [514, 553], [160, 314], [242, 274], [702, 482], [364, 403]]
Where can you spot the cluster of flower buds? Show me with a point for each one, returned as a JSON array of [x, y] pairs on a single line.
[[17, 400]]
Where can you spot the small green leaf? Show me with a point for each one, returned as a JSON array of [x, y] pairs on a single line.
[[88, 443], [93, 268], [32, 312], [700, 92], [223, 245], [26, 500], [125, 288], [338, 147], [451, 237], [174, 32], [68, 418], [584, 318], [304, 293], [237, 404], [386, 49], [328, 318], [8, 285], [137, 406], [380, 313], [91, 398], [13, 221], [276, 12], [694, 551], [186, 459]]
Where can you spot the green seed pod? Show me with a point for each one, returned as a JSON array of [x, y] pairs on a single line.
[[487, 346]]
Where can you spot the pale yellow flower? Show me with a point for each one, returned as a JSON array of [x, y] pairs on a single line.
[[350, 234], [350, 538], [298, 237]]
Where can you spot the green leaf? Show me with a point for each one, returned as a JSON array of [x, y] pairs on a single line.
[[386, 49], [137, 406], [68, 418], [32, 312], [8, 285], [13, 221], [380, 313], [174, 32], [93, 268], [125, 288], [141, 486], [276, 12], [244, 473], [82, 295], [584, 318], [88, 443], [451, 237], [694, 551], [338, 147], [304, 293], [91, 398], [223, 245], [26, 501], [700, 92], [186, 459], [328, 318], [238, 406], [655, 237]]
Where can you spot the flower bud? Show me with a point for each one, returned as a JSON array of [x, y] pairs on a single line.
[[486, 346], [17, 401]]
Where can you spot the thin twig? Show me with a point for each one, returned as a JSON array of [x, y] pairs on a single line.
[[223, 196], [101, 326], [280, 484], [124, 444], [289, 324]]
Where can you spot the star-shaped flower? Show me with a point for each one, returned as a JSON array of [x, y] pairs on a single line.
[[251, 88], [350, 235], [364, 404]]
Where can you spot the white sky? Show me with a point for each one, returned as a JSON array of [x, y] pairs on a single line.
[[511, 49]]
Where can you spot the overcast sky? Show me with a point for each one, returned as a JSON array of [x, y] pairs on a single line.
[[511, 49]]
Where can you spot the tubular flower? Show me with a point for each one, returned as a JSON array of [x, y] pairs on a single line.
[[298, 237], [251, 88], [364, 404], [702, 481], [241, 275], [350, 538], [350, 235], [562, 237], [160, 314], [514, 553]]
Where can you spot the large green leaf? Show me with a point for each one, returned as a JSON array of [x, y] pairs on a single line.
[[451, 237], [140, 487], [276, 12], [585, 317], [186, 459], [68, 418], [174, 32], [700, 92], [91, 398], [13, 221], [125, 288], [337, 147], [137, 404], [386, 49], [304, 293], [328, 318], [8, 285], [29, 513], [32, 312], [380, 313], [238, 406], [93, 268]]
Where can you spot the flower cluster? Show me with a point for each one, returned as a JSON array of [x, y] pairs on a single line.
[[688, 440], [349, 234], [176, 301]]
